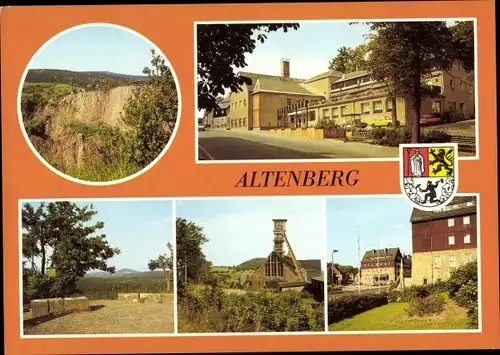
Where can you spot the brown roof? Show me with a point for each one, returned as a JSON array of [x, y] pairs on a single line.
[[384, 254], [326, 74], [459, 206], [280, 84], [353, 75], [256, 76]]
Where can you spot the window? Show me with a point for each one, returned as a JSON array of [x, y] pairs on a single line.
[[467, 238], [377, 107], [451, 240], [335, 112], [451, 86], [274, 267], [288, 101], [343, 110], [365, 108], [468, 257], [425, 281], [461, 86], [452, 106], [326, 113], [451, 222], [437, 261], [388, 105], [466, 219], [244, 122], [452, 262], [436, 106], [245, 102], [462, 107]]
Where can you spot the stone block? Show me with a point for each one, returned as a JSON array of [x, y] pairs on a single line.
[[128, 297], [76, 304], [150, 297], [56, 305], [39, 308]]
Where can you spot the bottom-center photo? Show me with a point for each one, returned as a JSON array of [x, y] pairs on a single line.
[[250, 265]]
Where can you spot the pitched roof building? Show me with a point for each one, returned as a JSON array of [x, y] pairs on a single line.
[[382, 266]]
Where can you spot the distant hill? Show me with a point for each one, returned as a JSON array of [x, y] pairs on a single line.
[[83, 79], [127, 273], [250, 264]]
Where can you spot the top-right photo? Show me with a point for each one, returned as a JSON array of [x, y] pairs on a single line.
[[334, 90]]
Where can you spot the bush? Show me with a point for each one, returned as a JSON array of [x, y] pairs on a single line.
[[414, 292], [435, 136], [212, 310], [462, 276], [429, 305], [473, 315], [348, 306]]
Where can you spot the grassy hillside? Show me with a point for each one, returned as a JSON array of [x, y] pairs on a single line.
[[251, 264]]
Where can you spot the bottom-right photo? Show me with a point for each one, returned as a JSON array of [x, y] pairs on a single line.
[[396, 268]]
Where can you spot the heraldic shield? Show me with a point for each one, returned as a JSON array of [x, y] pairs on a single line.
[[429, 174]]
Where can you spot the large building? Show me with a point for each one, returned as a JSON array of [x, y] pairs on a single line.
[[269, 101], [218, 118], [383, 266], [443, 240], [284, 271]]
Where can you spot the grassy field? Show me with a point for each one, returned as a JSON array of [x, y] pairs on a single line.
[[393, 317], [47, 90], [107, 317]]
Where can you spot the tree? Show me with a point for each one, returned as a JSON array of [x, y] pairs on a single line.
[[221, 47], [191, 262], [463, 43], [164, 262], [152, 112], [349, 60], [64, 228], [402, 53]]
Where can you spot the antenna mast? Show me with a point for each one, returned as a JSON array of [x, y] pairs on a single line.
[[359, 260]]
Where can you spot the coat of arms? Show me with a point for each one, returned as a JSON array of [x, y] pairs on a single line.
[[429, 174]]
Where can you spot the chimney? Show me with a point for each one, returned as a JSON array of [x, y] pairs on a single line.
[[279, 235], [285, 68]]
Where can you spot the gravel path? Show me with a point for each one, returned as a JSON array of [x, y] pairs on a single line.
[[108, 317]]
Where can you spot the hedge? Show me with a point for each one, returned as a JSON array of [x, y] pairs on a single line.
[[393, 137], [350, 305]]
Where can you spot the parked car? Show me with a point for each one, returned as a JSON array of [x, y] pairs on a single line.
[[201, 127], [426, 120], [386, 122]]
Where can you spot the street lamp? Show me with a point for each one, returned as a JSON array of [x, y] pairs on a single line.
[[333, 252]]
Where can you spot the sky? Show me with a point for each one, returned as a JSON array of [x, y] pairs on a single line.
[[96, 48], [140, 229], [242, 229], [382, 219]]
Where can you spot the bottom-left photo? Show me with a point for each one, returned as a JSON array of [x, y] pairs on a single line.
[[95, 267]]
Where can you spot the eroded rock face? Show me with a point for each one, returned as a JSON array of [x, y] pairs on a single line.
[[71, 137]]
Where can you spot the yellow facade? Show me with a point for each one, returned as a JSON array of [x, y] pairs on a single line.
[[369, 110], [430, 267], [266, 105], [240, 109], [369, 276]]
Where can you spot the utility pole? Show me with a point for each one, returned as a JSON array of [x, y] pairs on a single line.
[[359, 261], [378, 267]]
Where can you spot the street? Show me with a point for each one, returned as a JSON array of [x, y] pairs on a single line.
[[256, 145]]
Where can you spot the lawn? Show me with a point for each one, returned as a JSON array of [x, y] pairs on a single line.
[[393, 317]]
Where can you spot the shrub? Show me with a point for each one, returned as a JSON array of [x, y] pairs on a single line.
[[473, 315], [435, 136], [462, 276], [429, 305], [351, 305], [211, 310], [414, 292]]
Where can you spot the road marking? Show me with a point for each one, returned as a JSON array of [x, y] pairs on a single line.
[[205, 152]]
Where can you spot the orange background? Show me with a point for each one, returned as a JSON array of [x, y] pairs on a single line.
[[170, 27]]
